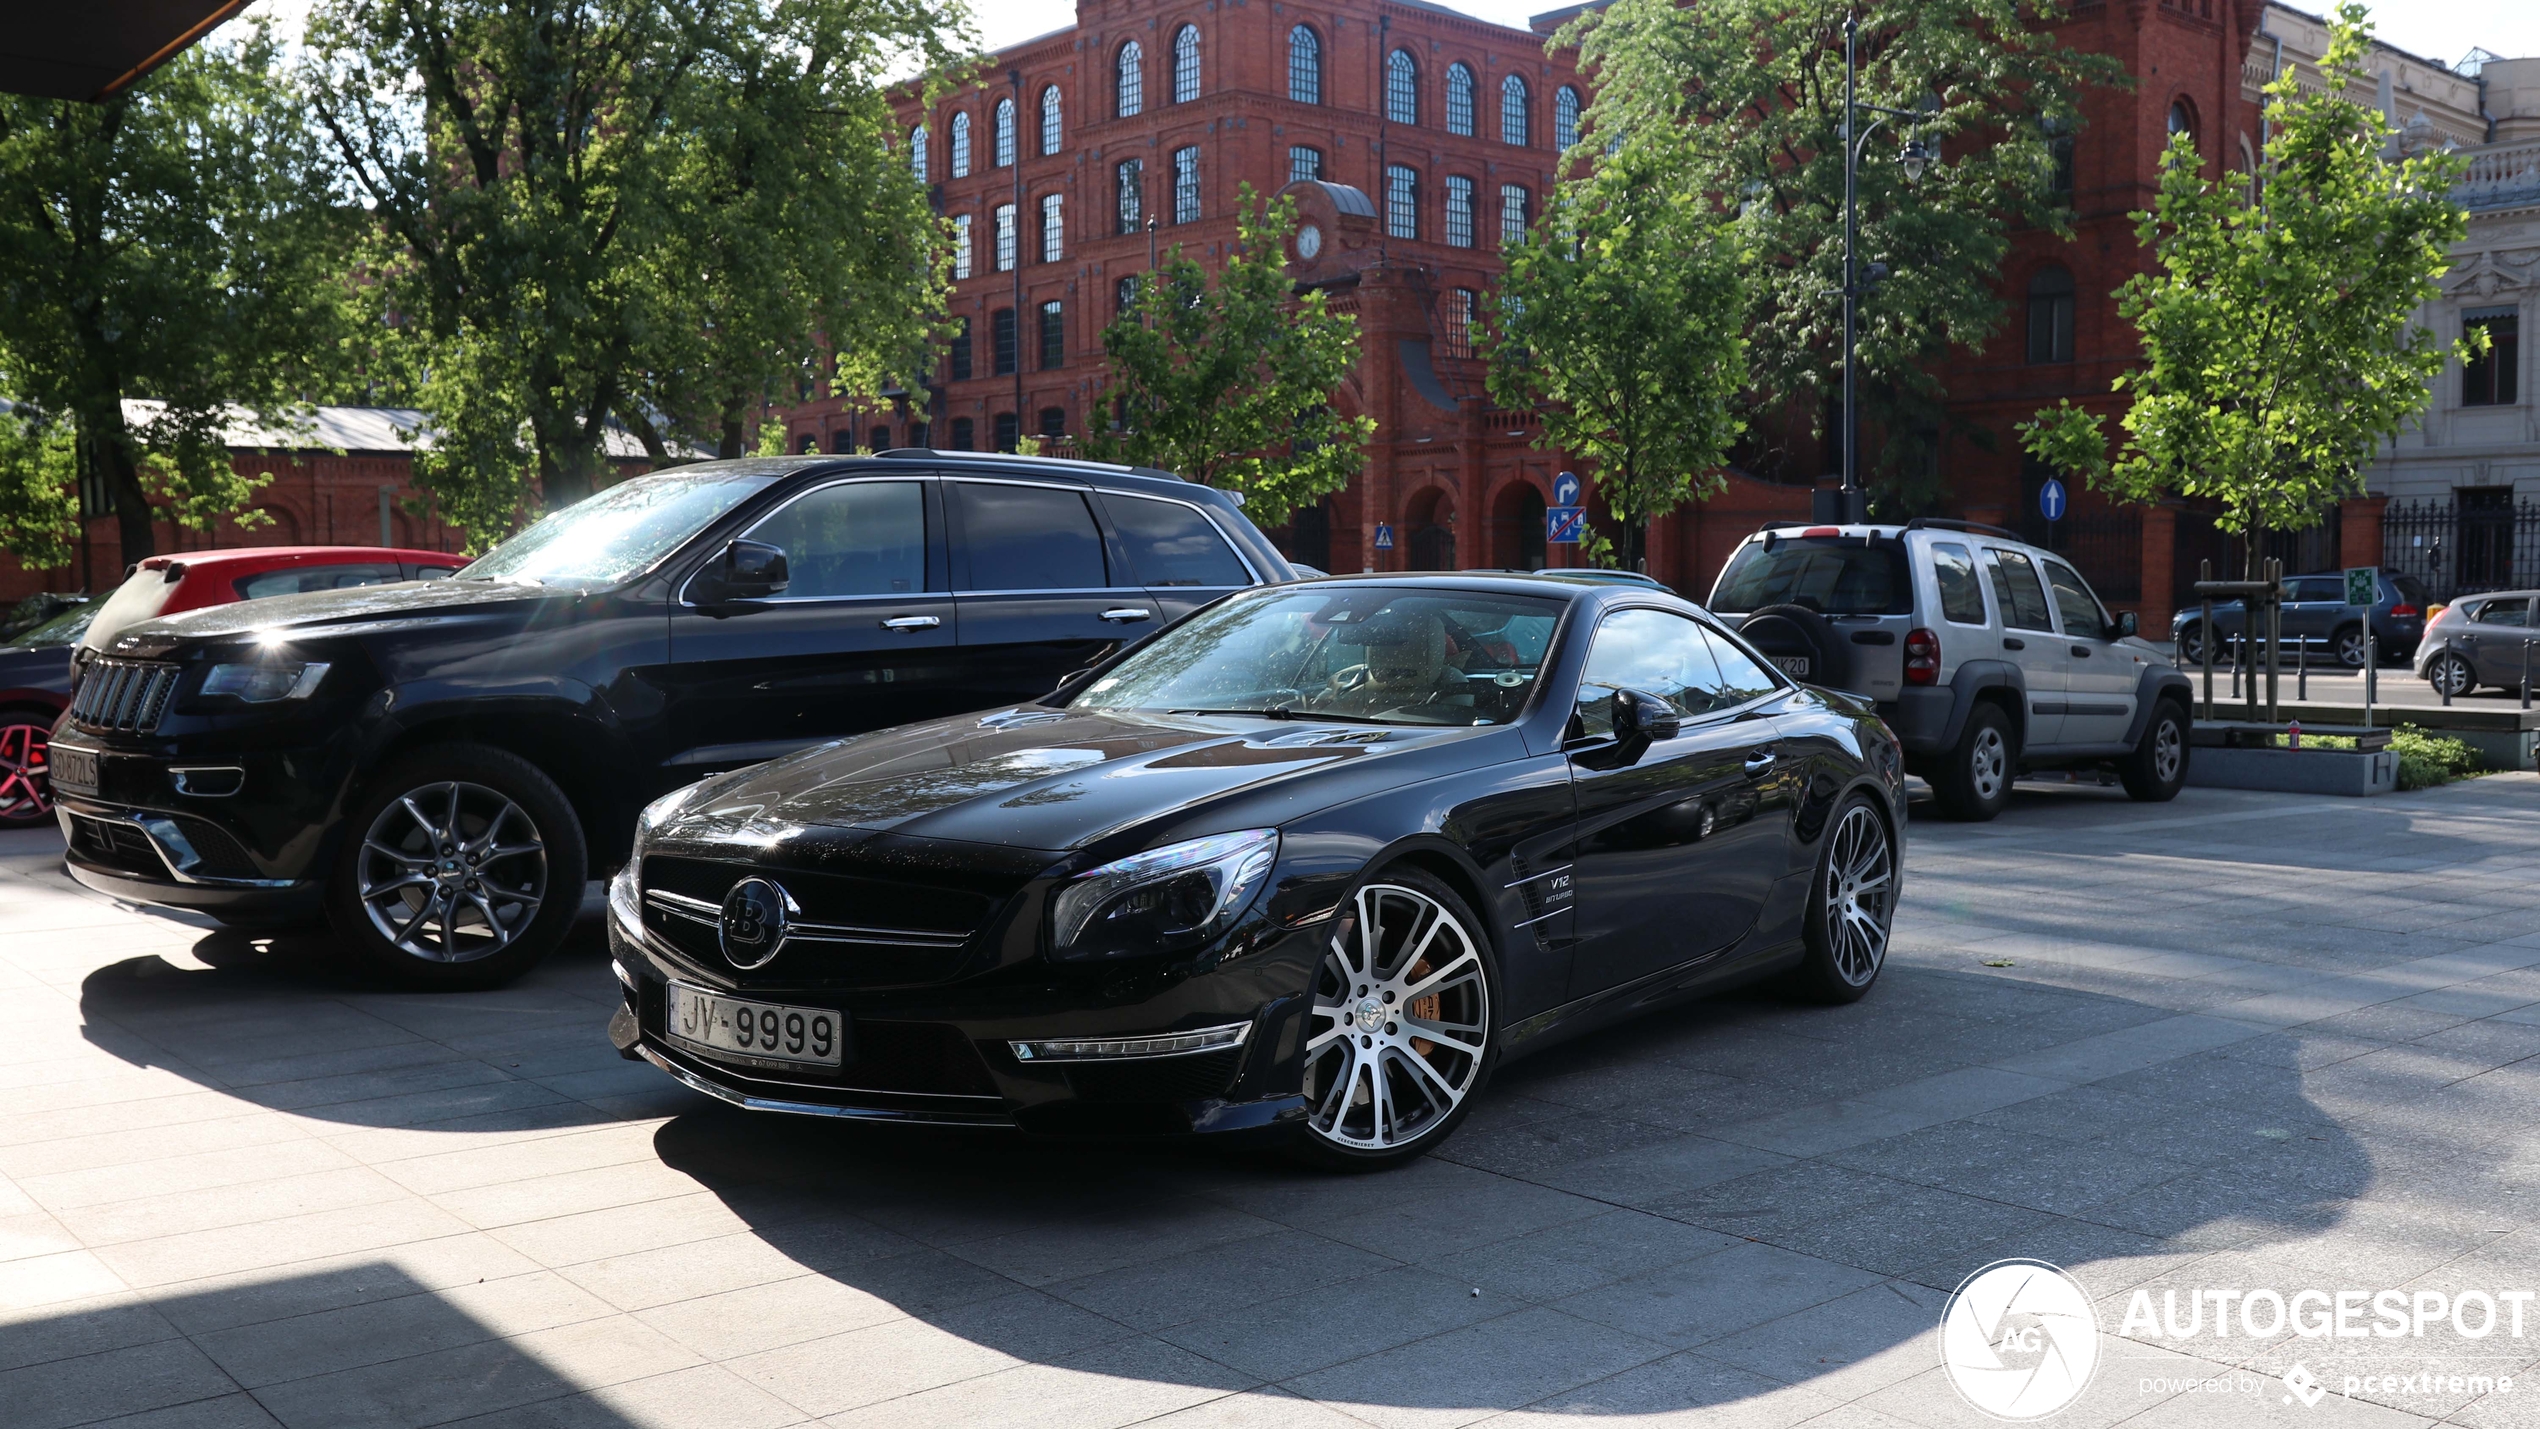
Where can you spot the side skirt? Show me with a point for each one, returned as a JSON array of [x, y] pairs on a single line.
[[1683, 982]]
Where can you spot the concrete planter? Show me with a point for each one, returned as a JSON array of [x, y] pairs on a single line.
[[2295, 771]]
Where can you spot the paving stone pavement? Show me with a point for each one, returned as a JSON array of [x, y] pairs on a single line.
[[2241, 1040]]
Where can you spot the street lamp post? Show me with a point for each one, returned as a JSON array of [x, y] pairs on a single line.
[[1850, 504]]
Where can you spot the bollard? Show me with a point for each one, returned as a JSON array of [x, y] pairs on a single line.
[[2526, 672], [2371, 669], [2302, 669], [2206, 637]]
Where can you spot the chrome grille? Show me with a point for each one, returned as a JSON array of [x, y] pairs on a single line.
[[126, 696]]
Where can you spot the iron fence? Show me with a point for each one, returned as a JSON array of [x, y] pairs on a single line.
[[2105, 546], [2197, 540], [2471, 541]]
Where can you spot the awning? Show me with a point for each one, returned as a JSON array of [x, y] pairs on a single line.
[[96, 48]]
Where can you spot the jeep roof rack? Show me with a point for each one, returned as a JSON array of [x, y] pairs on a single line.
[[1944, 523]]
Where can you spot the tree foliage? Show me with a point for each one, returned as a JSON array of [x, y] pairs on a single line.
[[2279, 344], [1754, 91], [1231, 383], [1622, 321], [177, 242], [634, 212]]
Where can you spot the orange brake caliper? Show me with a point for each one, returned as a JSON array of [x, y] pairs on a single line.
[[1424, 1008]]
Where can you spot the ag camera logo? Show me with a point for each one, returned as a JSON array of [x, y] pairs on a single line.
[[2019, 1340]]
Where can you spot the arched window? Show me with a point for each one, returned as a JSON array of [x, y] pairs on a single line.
[[1050, 128], [1512, 111], [2182, 118], [1459, 99], [917, 153], [1565, 118], [961, 146], [2059, 156], [1186, 64], [2050, 315], [1130, 89], [1402, 88], [1305, 66], [1005, 133]]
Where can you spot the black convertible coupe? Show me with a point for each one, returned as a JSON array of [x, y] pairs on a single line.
[[1309, 862]]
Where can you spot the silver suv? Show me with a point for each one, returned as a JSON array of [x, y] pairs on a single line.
[[1988, 656]]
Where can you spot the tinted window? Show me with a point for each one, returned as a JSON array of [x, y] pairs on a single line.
[[1961, 594], [2329, 588], [1742, 676], [307, 578], [1028, 538], [2015, 585], [1827, 574], [1171, 544], [2082, 615], [862, 538], [1660, 653], [2410, 589], [2503, 612]]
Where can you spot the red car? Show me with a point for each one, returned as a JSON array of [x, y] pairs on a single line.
[[36, 669]]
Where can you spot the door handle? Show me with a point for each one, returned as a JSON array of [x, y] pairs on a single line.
[[1126, 613], [2082, 650], [1760, 761], [2009, 643], [911, 622]]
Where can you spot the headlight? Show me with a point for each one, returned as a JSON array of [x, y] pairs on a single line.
[[264, 683], [1164, 899]]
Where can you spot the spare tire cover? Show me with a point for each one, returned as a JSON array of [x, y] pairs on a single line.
[[1795, 630]]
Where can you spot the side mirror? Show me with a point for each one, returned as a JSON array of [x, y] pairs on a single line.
[[1642, 716], [2125, 626], [749, 570]]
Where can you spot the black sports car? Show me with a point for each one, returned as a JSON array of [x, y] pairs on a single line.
[[1310, 861]]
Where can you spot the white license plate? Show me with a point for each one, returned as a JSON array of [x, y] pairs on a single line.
[[72, 768], [1795, 666], [757, 1031]]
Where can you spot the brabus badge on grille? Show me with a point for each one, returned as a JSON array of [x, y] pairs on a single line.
[[752, 928]]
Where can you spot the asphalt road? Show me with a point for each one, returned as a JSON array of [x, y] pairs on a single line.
[[2242, 1040]]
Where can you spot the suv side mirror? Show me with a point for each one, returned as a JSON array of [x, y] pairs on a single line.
[[748, 570], [2125, 625], [1642, 716]]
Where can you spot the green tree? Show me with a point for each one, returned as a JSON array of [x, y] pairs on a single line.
[[1754, 89], [630, 212], [2280, 349], [1230, 384], [175, 242], [1623, 323]]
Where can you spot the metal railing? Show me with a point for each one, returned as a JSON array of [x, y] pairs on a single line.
[[2460, 548]]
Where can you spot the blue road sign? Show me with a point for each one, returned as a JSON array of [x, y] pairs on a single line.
[[1561, 524], [1384, 536], [2051, 500], [1565, 489]]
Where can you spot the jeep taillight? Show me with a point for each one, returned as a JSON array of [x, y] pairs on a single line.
[[1922, 658]]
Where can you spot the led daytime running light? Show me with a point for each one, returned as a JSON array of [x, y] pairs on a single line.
[[1112, 1049]]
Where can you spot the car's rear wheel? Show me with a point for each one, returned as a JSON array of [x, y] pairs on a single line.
[[2157, 769], [1974, 780], [2451, 675], [2348, 646], [463, 866], [1401, 1036], [1851, 903], [26, 786]]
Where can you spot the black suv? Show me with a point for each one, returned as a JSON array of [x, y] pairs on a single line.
[[439, 767]]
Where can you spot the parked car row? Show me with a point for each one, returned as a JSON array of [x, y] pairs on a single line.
[[909, 822], [2316, 621]]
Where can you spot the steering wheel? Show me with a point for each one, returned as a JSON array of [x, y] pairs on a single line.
[[1351, 679]]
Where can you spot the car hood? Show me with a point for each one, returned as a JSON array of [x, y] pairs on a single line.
[[317, 614], [1038, 778]]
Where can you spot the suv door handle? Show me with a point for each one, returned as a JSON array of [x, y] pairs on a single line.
[[2082, 650], [911, 622], [1760, 761], [1126, 613], [2009, 643]]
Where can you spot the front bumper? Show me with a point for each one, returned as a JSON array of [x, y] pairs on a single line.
[[941, 1055], [173, 861]]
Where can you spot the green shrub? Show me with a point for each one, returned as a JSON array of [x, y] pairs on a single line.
[[2426, 760]]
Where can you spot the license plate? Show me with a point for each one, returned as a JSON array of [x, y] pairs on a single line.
[[1795, 666], [748, 1031], [71, 768]]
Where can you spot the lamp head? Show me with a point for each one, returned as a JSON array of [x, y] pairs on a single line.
[[1916, 158]]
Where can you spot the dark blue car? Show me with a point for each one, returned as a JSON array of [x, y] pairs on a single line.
[[2318, 621], [35, 685]]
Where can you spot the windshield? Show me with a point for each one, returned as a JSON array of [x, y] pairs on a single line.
[[60, 630], [1371, 655], [1831, 575], [605, 538]]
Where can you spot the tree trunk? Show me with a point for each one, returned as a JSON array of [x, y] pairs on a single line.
[[110, 449], [729, 446], [564, 477]]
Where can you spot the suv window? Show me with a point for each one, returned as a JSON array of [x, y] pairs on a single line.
[[856, 538], [1026, 538], [2327, 588], [1961, 594], [1171, 544], [2411, 590], [2015, 585], [2082, 613], [297, 579], [1828, 574], [2514, 610]]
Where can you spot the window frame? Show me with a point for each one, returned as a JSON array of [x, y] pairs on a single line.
[[1186, 184], [2499, 369], [957, 552], [961, 155], [1128, 195], [1781, 684], [1186, 71], [932, 542], [1305, 65], [1128, 80], [1403, 181], [1402, 88], [1517, 103], [1985, 603], [1004, 141], [1463, 87], [1053, 216], [1109, 495], [1053, 120], [1454, 234]]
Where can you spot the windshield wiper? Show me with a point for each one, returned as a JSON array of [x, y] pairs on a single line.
[[1275, 712], [1287, 712]]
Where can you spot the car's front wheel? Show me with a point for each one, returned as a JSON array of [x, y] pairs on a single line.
[[1851, 903], [463, 866], [26, 788], [1401, 1037], [2348, 645]]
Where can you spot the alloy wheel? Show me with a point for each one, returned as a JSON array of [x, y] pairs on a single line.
[[26, 787], [1401, 1021], [1988, 761], [452, 872], [2450, 675], [1860, 895], [2350, 649], [2168, 748]]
